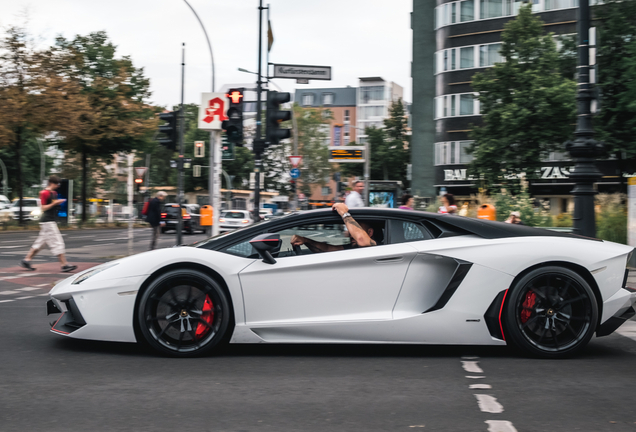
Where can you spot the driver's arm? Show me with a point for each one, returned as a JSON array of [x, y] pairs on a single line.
[[313, 245], [354, 228]]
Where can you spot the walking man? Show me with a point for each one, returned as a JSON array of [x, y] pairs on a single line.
[[153, 217], [354, 199], [49, 232]]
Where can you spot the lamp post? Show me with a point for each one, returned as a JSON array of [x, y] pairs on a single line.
[[584, 149]]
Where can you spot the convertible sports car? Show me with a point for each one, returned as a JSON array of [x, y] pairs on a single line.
[[431, 279]]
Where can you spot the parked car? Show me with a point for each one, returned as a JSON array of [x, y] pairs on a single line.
[[191, 220], [231, 220], [4, 202], [31, 209]]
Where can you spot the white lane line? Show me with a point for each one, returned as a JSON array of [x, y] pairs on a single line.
[[111, 239], [5, 301], [41, 285], [24, 298], [471, 367], [500, 426], [480, 386], [470, 358], [27, 289], [9, 292], [79, 237], [42, 295], [489, 404], [10, 247], [475, 377], [628, 329]]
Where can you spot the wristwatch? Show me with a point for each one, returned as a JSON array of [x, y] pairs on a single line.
[[344, 215]]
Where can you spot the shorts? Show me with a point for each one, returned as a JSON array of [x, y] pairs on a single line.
[[50, 234]]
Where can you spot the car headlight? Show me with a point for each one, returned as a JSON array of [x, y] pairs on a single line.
[[92, 272], [221, 220], [36, 212]]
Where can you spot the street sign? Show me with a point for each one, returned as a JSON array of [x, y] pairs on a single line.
[[187, 163], [295, 160], [199, 149], [294, 173], [227, 150], [140, 171], [196, 171], [212, 111], [302, 71], [346, 154]]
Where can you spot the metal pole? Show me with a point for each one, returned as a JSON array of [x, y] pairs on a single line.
[[131, 159], [258, 145], [5, 179], [215, 177], [206, 38], [148, 175], [584, 149], [367, 170], [42, 162], [181, 149]]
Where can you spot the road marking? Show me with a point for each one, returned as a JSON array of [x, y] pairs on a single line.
[[41, 285], [5, 301], [111, 239], [475, 377], [42, 295], [471, 366], [500, 426], [628, 330], [9, 292], [470, 357], [24, 298], [28, 289], [10, 247], [489, 404], [480, 386]]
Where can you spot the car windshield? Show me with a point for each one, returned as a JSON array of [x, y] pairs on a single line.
[[234, 215], [26, 203]]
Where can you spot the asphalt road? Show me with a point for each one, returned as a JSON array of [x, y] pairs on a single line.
[[50, 383]]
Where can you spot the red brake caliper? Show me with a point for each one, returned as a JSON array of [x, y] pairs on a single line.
[[207, 316], [528, 306]]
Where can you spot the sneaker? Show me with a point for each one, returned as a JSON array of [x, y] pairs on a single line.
[[27, 265], [68, 268]]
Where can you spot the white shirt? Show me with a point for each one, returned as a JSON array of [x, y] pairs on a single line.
[[354, 199]]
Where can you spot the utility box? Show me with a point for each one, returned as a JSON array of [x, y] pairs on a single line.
[[64, 210], [487, 211], [207, 215]]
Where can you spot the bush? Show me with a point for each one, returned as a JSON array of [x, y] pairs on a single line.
[[563, 220], [611, 217], [524, 204]]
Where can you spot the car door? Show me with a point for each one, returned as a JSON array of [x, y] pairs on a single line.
[[344, 285]]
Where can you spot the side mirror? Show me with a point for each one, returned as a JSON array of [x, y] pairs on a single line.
[[265, 245]]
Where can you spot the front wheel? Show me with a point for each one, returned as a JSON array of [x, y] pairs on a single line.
[[184, 313], [551, 312]]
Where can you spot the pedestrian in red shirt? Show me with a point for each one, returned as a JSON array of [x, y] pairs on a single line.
[[49, 232]]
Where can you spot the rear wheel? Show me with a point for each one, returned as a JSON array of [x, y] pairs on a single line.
[[551, 312], [184, 313]]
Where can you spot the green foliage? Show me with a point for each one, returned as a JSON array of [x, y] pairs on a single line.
[[563, 220], [506, 203], [611, 220], [313, 133], [616, 122], [528, 107]]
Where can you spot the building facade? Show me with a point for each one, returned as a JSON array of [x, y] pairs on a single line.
[[467, 39], [375, 97]]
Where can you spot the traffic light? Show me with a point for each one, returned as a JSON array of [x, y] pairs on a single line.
[[275, 117], [199, 149], [233, 127], [139, 181], [293, 186], [169, 130]]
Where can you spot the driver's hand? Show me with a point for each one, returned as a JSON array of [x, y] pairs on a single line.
[[341, 208], [297, 240]]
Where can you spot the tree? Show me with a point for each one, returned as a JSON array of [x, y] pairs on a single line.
[[313, 136], [616, 121], [528, 107], [118, 119]]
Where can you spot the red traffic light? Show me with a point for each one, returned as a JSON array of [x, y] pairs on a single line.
[[198, 144], [138, 180], [235, 96]]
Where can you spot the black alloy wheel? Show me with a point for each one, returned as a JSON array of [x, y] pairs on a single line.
[[551, 312], [184, 313]]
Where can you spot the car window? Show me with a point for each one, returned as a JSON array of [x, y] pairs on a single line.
[[330, 233], [26, 203], [234, 215], [406, 231]]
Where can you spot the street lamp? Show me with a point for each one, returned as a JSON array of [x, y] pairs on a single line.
[[584, 149]]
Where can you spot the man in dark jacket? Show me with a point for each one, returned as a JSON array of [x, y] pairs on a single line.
[[153, 217]]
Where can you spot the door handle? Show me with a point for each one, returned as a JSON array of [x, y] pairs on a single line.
[[389, 259]]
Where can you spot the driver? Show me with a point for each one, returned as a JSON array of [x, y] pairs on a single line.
[[359, 232]]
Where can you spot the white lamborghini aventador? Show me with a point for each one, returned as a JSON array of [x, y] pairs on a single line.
[[431, 279]]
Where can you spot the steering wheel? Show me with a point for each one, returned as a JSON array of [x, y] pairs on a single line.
[[297, 250]]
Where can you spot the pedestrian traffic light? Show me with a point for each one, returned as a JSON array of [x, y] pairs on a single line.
[[139, 181], [169, 130], [275, 117], [293, 186], [199, 149], [233, 126]]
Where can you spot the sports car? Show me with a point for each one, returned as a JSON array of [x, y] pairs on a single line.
[[431, 279]]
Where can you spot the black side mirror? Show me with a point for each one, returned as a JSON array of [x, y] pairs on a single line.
[[265, 245]]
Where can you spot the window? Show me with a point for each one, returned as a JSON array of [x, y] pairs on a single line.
[[453, 13], [308, 99], [371, 111], [489, 55], [490, 8], [467, 10], [512, 7], [371, 93], [466, 106], [557, 4], [346, 116], [330, 233], [445, 60], [327, 99], [326, 190], [464, 157], [452, 107], [467, 57], [452, 59], [404, 231]]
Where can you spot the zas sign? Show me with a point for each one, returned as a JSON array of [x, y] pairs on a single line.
[[212, 111]]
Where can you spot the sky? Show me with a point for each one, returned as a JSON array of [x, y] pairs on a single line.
[[357, 38]]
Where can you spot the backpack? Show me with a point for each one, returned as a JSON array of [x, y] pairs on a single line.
[[144, 211]]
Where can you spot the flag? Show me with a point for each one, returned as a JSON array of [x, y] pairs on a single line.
[[270, 36]]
